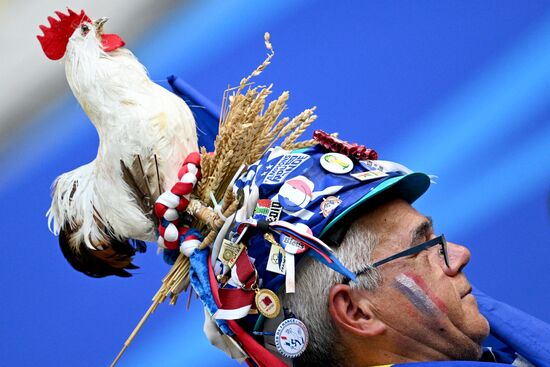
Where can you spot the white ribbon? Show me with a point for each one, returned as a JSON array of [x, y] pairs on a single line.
[[220, 340], [290, 283], [234, 314]]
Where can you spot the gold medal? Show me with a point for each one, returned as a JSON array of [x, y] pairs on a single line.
[[267, 303]]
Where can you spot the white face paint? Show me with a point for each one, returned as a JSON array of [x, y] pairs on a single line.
[[416, 295]]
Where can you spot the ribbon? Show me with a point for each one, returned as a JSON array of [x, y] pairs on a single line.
[[236, 302], [171, 203], [302, 234]]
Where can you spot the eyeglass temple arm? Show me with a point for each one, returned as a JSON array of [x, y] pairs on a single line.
[[411, 251]]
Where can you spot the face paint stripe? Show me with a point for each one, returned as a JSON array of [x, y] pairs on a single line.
[[422, 284], [415, 294]]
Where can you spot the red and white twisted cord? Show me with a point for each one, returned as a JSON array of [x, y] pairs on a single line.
[[171, 203]]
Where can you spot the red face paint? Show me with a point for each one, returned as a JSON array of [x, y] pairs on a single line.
[[431, 295]]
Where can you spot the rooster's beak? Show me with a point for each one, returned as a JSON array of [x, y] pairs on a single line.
[[99, 24]]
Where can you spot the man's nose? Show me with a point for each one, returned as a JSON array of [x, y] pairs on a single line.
[[459, 256]]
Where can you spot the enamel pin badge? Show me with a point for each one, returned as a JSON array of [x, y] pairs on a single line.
[[291, 338], [329, 204]]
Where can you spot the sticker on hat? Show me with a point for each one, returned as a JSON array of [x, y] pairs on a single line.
[[336, 163], [274, 212], [385, 166], [289, 163], [329, 204], [291, 338], [292, 245], [369, 175], [267, 210], [296, 193]]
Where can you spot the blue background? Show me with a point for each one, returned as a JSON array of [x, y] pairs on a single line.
[[459, 89]]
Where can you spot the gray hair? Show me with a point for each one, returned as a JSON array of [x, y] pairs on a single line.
[[313, 282]]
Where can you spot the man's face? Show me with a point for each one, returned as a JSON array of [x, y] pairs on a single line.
[[421, 300]]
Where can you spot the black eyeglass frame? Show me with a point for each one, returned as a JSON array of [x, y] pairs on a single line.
[[440, 240]]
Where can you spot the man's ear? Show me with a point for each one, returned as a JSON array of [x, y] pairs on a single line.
[[352, 312]]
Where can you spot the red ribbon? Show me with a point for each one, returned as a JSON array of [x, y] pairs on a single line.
[[234, 298], [261, 356]]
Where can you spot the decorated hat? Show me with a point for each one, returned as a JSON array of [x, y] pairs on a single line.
[[241, 218], [289, 200]]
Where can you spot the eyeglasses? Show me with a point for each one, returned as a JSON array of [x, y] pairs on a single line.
[[410, 251]]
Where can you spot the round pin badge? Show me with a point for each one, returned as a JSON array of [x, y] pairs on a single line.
[[296, 193], [291, 245], [291, 338], [267, 303], [329, 204], [336, 163]]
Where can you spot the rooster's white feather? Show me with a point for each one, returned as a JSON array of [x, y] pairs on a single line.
[[133, 117]]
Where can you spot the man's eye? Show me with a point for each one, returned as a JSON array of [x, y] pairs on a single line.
[[441, 251]]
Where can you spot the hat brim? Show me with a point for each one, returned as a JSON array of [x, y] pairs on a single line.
[[409, 188]]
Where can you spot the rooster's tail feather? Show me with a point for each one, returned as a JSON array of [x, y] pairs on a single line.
[[113, 257]]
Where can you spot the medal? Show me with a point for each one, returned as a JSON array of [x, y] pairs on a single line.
[[291, 338], [229, 252], [267, 303]]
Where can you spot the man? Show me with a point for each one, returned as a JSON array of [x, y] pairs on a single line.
[[390, 290], [414, 308]]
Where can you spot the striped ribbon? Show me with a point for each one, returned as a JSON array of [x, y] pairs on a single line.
[[173, 234], [236, 302]]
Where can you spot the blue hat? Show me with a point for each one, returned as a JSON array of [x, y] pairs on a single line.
[[290, 199], [304, 182], [313, 190]]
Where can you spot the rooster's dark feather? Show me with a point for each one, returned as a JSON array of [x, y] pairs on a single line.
[[113, 259]]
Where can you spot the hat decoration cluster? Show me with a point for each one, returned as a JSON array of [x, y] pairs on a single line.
[[56, 37], [245, 200], [248, 128]]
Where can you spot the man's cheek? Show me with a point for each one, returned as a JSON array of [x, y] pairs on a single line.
[[415, 289]]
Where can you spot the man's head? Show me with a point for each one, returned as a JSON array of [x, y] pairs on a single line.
[[413, 308]]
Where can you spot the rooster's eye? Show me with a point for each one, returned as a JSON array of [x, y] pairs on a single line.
[[84, 29]]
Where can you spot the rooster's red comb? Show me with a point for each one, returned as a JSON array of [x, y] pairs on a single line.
[[55, 39]]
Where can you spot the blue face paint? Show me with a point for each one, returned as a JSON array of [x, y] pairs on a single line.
[[415, 294]]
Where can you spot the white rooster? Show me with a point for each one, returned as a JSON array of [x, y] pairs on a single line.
[[102, 210]]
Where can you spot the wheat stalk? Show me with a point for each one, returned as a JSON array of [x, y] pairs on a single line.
[[302, 144], [303, 121]]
